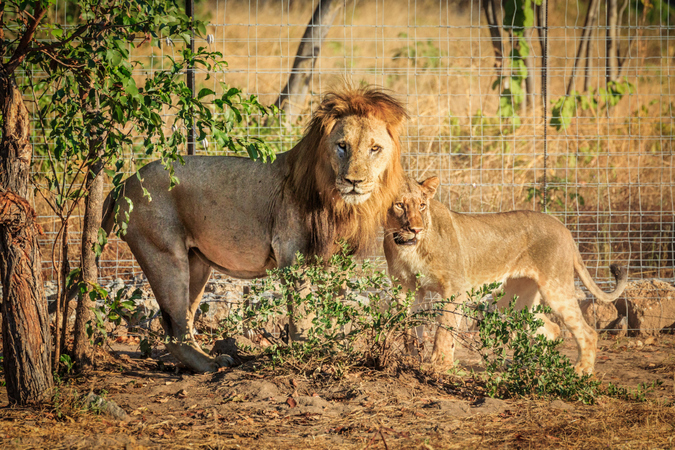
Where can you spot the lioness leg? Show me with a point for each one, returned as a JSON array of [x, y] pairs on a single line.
[[443, 354], [300, 320], [562, 300], [527, 292], [168, 272]]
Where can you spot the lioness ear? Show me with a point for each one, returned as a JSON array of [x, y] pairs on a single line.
[[430, 185]]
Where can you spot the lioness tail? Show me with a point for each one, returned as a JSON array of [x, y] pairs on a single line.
[[620, 276]]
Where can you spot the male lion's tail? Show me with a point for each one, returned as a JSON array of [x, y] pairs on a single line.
[[620, 276]]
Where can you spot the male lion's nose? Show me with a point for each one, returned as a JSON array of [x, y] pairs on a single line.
[[354, 182], [416, 230]]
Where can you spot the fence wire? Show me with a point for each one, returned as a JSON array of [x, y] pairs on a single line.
[[474, 122]]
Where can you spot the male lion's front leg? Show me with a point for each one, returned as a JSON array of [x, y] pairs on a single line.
[[443, 354]]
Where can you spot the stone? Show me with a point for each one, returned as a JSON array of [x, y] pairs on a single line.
[[488, 405], [208, 319], [598, 315], [104, 406], [649, 306]]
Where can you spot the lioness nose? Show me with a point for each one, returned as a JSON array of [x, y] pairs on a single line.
[[353, 181]]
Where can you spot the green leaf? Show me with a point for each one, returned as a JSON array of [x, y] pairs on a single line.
[[204, 92], [562, 112], [130, 87]]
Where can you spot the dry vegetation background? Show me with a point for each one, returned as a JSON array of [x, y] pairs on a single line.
[[610, 174]]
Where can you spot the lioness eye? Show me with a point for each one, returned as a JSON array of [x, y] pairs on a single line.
[[423, 206], [399, 205]]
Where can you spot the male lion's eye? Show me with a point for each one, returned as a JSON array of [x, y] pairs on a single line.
[[398, 205], [341, 148], [375, 149]]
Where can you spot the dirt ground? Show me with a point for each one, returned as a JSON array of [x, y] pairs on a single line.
[[249, 407]]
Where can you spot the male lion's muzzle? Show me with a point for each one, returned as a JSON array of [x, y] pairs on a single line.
[[353, 191]]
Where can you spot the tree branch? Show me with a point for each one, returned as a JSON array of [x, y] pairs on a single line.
[[495, 33], [23, 47], [308, 52]]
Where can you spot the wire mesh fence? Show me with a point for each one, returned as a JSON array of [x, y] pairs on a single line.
[[591, 142]]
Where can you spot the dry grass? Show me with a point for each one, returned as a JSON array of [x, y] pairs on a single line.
[[618, 162], [403, 411]]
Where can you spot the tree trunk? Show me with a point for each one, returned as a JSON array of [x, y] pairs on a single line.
[[82, 349], [529, 65], [543, 27], [612, 65], [60, 332], [25, 321], [495, 33], [292, 96], [584, 43]]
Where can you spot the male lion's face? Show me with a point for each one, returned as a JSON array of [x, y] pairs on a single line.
[[409, 216], [360, 149]]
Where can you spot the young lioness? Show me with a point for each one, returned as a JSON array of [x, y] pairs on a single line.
[[527, 250]]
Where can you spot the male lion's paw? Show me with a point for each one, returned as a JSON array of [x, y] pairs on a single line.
[[225, 361]]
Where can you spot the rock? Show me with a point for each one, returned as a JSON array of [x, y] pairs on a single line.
[[97, 403], [559, 404], [619, 327], [455, 408], [649, 306], [217, 311], [598, 315], [488, 405], [306, 400]]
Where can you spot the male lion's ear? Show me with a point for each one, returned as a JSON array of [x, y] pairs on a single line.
[[430, 185]]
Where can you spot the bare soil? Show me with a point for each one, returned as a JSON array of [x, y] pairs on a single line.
[[247, 407]]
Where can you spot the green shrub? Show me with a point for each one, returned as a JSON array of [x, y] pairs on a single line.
[[358, 316], [520, 363]]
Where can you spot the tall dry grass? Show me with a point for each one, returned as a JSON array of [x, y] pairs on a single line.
[[609, 175]]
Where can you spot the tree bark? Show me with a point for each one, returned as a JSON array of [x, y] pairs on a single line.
[[490, 9], [612, 65], [293, 95], [25, 321], [543, 25], [529, 64], [584, 43], [60, 332], [82, 348]]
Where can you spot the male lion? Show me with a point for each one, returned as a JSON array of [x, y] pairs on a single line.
[[528, 250], [243, 217]]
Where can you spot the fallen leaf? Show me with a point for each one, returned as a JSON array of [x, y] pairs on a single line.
[[291, 402], [182, 393]]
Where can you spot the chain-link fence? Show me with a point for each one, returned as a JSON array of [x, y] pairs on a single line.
[[479, 92]]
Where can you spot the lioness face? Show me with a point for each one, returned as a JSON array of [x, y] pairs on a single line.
[[409, 216], [360, 150]]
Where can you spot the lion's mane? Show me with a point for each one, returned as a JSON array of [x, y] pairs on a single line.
[[311, 177]]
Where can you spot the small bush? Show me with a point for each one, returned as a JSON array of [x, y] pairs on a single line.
[[358, 316], [520, 363]]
